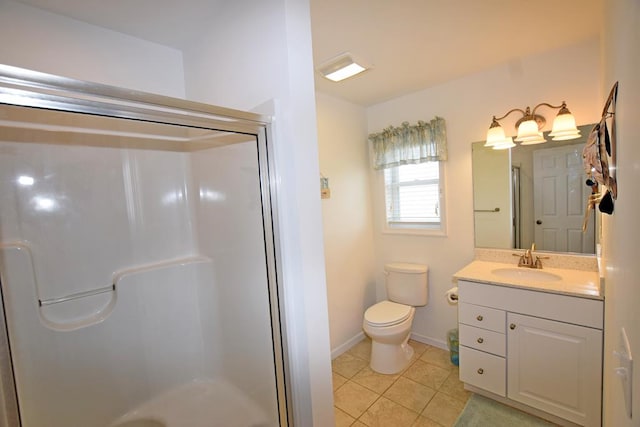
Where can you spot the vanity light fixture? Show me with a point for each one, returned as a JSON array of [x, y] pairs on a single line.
[[530, 126], [341, 67]]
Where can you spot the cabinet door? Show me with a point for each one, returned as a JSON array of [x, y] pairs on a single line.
[[555, 367]]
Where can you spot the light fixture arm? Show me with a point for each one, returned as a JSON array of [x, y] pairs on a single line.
[[509, 112], [562, 107]]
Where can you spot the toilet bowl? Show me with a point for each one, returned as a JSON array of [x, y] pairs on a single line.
[[388, 324]]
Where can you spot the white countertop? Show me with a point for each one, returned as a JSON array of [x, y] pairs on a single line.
[[579, 283]]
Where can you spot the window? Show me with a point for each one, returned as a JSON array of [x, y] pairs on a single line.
[[413, 196]]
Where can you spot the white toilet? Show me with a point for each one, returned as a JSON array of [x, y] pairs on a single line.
[[388, 323]]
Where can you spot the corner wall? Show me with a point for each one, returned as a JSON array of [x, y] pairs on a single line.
[[621, 232], [346, 217], [467, 104]]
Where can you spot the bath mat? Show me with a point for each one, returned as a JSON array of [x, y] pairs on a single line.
[[483, 412]]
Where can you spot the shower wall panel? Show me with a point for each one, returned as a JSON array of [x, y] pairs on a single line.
[[146, 345], [76, 219], [88, 212]]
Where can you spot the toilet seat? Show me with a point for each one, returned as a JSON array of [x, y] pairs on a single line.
[[387, 313]]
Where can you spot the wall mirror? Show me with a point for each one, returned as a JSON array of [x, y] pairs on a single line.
[[533, 193]]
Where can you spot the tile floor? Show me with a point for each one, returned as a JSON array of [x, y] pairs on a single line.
[[427, 393]]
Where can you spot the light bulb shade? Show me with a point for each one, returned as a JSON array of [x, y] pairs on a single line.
[[566, 136], [495, 135], [539, 139], [504, 144], [527, 130], [564, 127]]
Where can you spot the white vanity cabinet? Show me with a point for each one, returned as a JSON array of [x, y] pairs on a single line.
[[541, 349]]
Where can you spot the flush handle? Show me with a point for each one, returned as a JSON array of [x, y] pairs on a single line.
[[479, 317]]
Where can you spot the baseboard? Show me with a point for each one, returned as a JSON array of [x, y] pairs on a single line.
[[430, 341], [347, 345]]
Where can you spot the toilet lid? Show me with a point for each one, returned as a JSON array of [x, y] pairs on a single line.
[[387, 313]]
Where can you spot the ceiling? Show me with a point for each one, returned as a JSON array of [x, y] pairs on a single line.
[[409, 44]]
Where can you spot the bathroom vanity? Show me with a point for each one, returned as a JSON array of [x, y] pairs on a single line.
[[533, 338]]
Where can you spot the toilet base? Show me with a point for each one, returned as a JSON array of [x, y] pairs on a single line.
[[390, 358]]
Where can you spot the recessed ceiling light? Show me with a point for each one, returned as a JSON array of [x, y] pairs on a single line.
[[341, 67]]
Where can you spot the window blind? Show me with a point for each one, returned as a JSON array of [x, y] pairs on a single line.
[[412, 194]]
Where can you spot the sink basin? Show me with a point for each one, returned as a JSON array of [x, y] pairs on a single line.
[[523, 273]]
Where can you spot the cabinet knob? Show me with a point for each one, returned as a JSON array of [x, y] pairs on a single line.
[[479, 317], [480, 371], [480, 340], [512, 326]]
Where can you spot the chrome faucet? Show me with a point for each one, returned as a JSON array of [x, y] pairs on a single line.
[[528, 259]]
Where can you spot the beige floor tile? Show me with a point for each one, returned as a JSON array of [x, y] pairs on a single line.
[[453, 387], [443, 409], [337, 380], [438, 357], [425, 422], [386, 413], [427, 374], [342, 418], [362, 349], [358, 424], [418, 347], [374, 381], [348, 365], [410, 394], [354, 399]]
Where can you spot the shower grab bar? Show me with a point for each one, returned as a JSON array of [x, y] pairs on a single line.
[[487, 210], [71, 297]]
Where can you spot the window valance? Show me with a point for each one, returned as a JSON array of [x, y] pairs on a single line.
[[407, 144]]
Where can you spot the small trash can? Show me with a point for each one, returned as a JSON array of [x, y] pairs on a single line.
[[452, 339]]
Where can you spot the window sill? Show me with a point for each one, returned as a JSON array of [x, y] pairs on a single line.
[[436, 232]]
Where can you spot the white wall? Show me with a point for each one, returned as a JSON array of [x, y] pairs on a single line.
[[43, 41], [621, 234], [257, 51], [467, 104], [346, 217]]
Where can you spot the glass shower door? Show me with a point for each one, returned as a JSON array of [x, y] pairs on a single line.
[[137, 266]]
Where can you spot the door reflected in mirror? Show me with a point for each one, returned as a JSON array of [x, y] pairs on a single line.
[[533, 193]]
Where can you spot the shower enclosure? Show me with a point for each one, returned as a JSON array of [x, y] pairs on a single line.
[[137, 260]]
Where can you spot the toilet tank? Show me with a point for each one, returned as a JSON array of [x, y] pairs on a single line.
[[406, 283]]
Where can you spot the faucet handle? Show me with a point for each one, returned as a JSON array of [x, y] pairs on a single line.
[[538, 262], [525, 258]]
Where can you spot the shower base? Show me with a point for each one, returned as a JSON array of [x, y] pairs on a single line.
[[200, 403]]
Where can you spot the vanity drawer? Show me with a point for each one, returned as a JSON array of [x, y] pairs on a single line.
[[483, 370], [483, 339], [482, 317]]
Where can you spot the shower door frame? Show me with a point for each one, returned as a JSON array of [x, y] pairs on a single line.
[[26, 88]]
